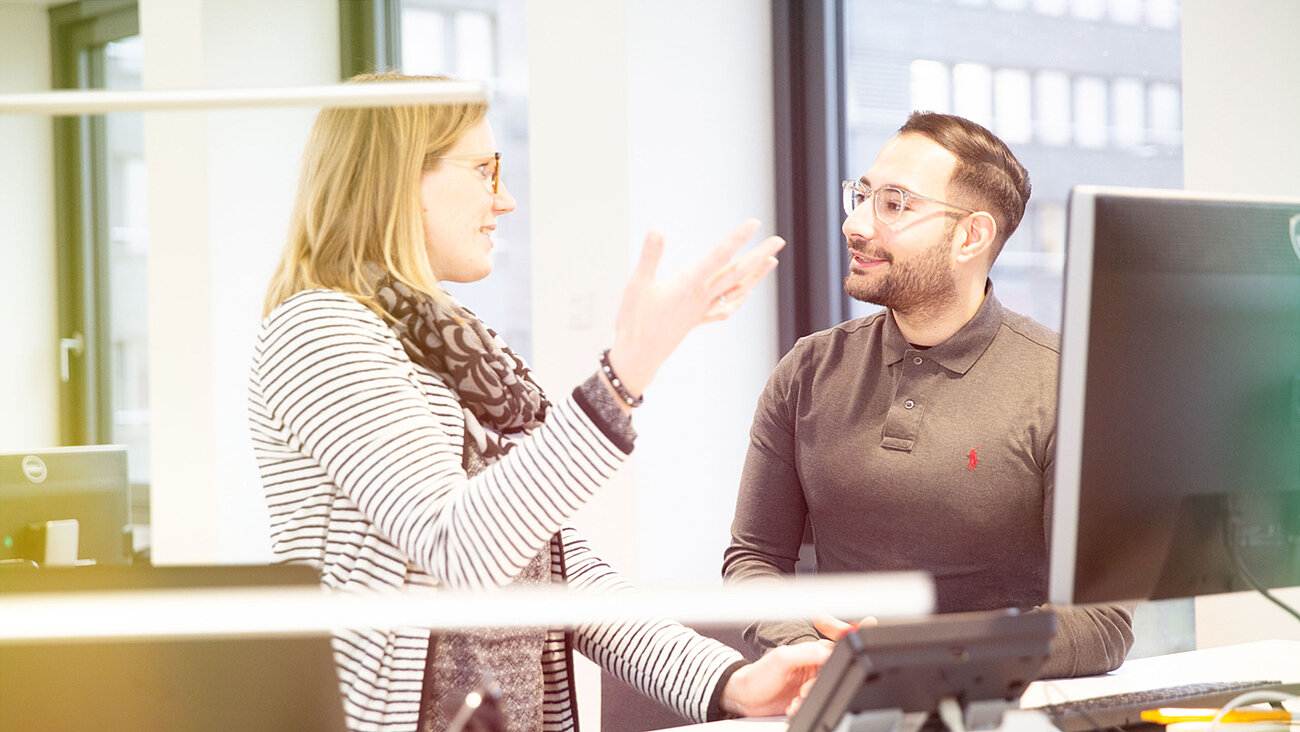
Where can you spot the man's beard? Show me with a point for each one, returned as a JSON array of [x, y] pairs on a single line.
[[919, 286]]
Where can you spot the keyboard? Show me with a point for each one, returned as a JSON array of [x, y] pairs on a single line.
[[1119, 710]]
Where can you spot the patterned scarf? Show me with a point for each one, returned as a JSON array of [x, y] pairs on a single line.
[[494, 385]]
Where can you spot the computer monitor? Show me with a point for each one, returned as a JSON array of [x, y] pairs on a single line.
[[251, 683], [1178, 441], [87, 484]]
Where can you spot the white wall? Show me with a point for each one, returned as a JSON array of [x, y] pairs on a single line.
[[1241, 103], [29, 361], [701, 140], [1241, 96], [653, 115], [220, 189], [579, 149]]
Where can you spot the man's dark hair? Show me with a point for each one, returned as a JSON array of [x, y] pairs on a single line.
[[987, 176]]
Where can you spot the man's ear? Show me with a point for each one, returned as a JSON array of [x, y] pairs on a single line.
[[981, 231]]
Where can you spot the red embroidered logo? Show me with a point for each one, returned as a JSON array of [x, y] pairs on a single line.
[[973, 461]]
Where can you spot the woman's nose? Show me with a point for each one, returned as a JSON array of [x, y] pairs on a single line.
[[502, 201]]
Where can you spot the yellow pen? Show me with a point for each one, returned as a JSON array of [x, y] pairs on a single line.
[[1208, 726], [1173, 715]]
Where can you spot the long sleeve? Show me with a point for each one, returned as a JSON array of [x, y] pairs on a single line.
[[332, 384], [1089, 640], [665, 660], [768, 527]]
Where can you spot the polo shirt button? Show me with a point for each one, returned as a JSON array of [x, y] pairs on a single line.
[[909, 404], [918, 360]]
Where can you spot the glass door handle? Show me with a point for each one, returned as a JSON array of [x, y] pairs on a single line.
[[68, 347]]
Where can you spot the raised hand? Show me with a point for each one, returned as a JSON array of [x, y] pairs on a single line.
[[655, 316]]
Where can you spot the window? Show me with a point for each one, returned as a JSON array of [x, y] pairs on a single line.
[[1013, 118], [1090, 112], [1129, 107], [475, 40], [1052, 108], [102, 243], [1036, 74], [972, 92], [1084, 92], [1166, 104], [929, 86]]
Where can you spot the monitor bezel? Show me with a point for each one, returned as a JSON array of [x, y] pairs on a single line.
[[1075, 340], [99, 490]]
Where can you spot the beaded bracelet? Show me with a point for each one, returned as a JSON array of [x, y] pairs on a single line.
[[614, 381]]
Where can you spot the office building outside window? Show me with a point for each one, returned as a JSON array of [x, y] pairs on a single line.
[[484, 40], [1084, 92]]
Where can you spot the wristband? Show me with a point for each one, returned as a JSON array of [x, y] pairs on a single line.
[[617, 383]]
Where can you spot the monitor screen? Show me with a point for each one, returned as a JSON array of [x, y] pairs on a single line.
[[87, 484], [1178, 442]]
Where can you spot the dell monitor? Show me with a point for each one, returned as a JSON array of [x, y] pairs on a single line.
[[75, 501], [1178, 441]]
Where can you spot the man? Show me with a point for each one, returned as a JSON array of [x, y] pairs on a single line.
[[922, 436]]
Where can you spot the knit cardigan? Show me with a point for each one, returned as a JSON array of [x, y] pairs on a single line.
[[359, 450]]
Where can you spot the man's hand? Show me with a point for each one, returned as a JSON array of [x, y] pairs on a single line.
[[771, 684], [834, 628]]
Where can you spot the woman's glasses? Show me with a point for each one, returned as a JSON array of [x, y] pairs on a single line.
[[489, 167]]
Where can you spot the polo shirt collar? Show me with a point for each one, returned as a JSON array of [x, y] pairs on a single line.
[[962, 349]]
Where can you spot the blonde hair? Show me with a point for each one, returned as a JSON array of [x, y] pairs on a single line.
[[358, 202]]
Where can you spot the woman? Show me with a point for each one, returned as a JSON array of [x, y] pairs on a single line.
[[402, 444]]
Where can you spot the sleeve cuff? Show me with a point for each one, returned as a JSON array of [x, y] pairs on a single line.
[[598, 404], [715, 711]]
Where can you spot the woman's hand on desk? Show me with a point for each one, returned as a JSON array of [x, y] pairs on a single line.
[[831, 627], [771, 685]]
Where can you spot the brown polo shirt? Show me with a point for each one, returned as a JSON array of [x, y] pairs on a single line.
[[937, 459]]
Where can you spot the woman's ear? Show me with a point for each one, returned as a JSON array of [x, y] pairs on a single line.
[[981, 231]]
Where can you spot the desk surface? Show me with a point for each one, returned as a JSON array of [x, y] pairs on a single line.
[[1271, 659]]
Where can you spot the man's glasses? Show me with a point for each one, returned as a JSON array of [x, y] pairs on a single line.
[[889, 202], [489, 169]]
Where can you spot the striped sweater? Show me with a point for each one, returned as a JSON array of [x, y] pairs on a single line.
[[359, 450]]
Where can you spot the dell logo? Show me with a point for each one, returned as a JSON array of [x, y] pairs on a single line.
[[1295, 234], [34, 469]]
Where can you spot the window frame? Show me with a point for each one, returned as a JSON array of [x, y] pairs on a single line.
[[810, 47], [369, 36], [808, 50], [79, 33]]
